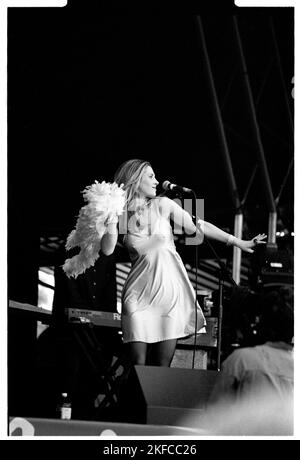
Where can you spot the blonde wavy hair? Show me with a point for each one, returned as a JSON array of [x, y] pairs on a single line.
[[130, 174]]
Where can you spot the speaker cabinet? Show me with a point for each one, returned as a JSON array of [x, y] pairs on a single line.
[[166, 396]]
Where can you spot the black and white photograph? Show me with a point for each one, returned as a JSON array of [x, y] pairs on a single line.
[[150, 223]]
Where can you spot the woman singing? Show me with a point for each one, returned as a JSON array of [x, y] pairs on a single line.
[[158, 300]]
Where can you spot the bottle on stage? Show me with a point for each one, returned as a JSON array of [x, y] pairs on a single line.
[[65, 407]]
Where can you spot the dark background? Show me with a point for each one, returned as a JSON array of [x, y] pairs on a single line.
[[89, 87], [92, 86]]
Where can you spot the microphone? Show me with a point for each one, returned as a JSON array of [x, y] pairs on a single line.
[[166, 185]]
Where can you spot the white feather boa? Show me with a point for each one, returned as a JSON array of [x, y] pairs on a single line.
[[104, 201]]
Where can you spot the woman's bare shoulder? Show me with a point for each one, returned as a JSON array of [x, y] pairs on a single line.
[[164, 203]]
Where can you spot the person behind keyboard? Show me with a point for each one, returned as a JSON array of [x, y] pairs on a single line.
[[63, 364]]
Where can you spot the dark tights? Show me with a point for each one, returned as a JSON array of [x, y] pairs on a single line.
[[155, 354]]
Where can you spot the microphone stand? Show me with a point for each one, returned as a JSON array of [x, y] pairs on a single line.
[[223, 274], [194, 218]]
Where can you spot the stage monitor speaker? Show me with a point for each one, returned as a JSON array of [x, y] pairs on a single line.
[[167, 396]]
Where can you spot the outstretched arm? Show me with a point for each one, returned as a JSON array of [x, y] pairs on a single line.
[[211, 231], [182, 218]]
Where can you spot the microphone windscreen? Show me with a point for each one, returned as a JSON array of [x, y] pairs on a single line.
[[166, 185]]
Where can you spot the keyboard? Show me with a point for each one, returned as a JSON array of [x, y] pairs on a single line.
[[97, 318]]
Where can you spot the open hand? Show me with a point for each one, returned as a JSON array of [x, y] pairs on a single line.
[[248, 246]]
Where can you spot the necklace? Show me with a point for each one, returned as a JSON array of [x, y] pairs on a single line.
[[142, 205]]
